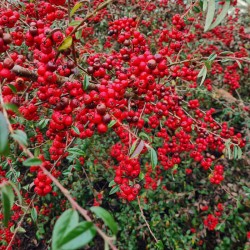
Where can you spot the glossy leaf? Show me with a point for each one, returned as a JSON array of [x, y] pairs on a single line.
[[20, 136], [66, 222], [67, 42], [86, 82], [222, 15], [75, 8], [13, 88], [111, 124], [33, 214], [114, 190], [106, 217], [32, 162], [210, 14], [153, 157], [7, 202], [76, 151], [78, 237], [12, 107], [4, 132]]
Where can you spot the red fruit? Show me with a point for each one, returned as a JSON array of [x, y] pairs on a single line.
[[57, 2], [57, 36], [68, 120], [102, 128]]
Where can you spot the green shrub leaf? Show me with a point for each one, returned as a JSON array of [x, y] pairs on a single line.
[[32, 162], [106, 217], [4, 132]]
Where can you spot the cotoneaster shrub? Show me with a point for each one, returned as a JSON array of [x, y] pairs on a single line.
[[139, 107]]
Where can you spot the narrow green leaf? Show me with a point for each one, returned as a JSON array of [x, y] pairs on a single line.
[[43, 123], [203, 74], [112, 123], [75, 23], [196, 9], [114, 190], [239, 153], [20, 136], [204, 5], [106, 217], [159, 245], [78, 34], [13, 88], [76, 151], [86, 82], [153, 157], [7, 201], [112, 183], [67, 42], [239, 64], [75, 8], [235, 152], [212, 57], [34, 214], [76, 129], [210, 14], [4, 132], [78, 237], [32, 162], [222, 14], [66, 222], [142, 134], [132, 149], [12, 107]]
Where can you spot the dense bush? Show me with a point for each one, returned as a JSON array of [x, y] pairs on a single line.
[[124, 124]]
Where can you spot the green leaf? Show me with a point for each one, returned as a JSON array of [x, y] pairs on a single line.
[[112, 183], [112, 123], [235, 151], [75, 23], [21, 230], [4, 132], [132, 149], [7, 201], [66, 222], [43, 123], [76, 129], [106, 217], [239, 153], [86, 82], [67, 42], [20, 136], [76, 151], [153, 157], [203, 74], [13, 88], [32, 162], [78, 237], [114, 190], [204, 5], [142, 134], [212, 57], [34, 214], [196, 9], [12, 107], [159, 245], [239, 64], [210, 14], [78, 34], [75, 8], [222, 15]]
